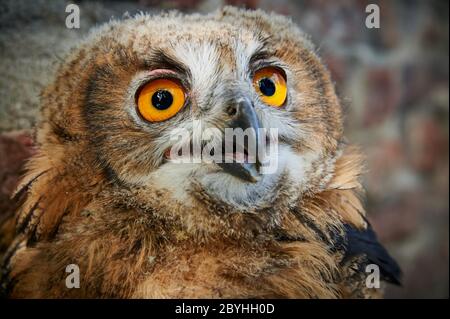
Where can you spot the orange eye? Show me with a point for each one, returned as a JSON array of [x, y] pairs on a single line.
[[271, 85], [160, 99]]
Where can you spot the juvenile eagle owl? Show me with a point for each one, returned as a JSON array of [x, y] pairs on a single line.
[[105, 193]]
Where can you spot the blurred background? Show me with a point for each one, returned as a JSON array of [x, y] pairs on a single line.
[[392, 81]]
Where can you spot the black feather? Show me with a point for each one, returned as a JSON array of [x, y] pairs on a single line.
[[364, 242]]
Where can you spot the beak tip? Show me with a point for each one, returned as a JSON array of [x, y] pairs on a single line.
[[246, 172]]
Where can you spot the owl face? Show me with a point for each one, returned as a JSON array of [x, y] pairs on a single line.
[[141, 80]]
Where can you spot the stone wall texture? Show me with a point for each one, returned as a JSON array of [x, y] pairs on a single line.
[[392, 81]]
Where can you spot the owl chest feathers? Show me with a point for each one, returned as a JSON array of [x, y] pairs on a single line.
[[127, 248]]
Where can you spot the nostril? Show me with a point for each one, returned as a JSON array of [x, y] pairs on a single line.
[[231, 111]]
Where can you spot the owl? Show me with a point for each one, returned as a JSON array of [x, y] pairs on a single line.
[[106, 192]]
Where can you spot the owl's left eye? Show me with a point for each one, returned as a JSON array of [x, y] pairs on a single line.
[[270, 83], [160, 99]]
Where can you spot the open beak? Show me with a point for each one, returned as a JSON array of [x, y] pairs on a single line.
[[244, 117]]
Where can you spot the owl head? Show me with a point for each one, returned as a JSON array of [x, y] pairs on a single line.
[[110, 115]]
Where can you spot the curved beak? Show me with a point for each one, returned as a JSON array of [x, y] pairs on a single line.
[[244, 117]]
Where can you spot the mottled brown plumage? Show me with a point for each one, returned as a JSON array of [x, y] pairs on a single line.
[[99, 194]]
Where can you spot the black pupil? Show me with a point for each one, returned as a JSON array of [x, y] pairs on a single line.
[[267, 87], [162, 99]]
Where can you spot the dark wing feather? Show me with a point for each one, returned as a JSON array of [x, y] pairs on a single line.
[[359, 242]]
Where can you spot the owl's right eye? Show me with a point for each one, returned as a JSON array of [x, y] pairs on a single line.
[[160, 99], [271, 85]]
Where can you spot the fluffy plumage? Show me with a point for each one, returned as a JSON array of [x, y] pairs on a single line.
[[100, 194]]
